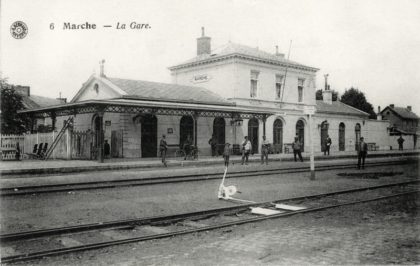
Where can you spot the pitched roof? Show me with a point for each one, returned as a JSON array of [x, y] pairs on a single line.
[[338, 107], [239, 49], [403, 112], [168, 92], [35, 101]]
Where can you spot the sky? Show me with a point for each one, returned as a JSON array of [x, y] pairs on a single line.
[[370, 45]]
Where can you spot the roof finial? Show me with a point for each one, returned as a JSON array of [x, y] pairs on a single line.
[[101, 64], [202, 31], [326, 82]]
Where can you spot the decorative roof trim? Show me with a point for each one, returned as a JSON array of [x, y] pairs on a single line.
[[135, 97], [247, 57]]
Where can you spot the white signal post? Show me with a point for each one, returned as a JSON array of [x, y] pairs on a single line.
[[310, 111]]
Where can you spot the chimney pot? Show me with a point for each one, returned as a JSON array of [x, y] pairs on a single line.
[[203, 44], [23, 90]]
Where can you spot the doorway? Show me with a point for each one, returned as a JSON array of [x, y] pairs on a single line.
[[148, 136], [253, 127], [300, 133], [219, 128], [342, 137], [324, 134], [278, 136]]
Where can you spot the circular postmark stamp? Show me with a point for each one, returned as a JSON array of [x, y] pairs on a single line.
[[19, 30]]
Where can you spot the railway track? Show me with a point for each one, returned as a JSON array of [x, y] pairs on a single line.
[[27, 190], [57, 241]]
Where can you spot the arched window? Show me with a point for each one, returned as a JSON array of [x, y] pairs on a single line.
[[300, 133], [342, 137], [278, 135]]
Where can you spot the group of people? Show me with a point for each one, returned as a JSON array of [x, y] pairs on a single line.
[[246, 148]]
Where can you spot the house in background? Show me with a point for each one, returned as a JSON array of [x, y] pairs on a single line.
[[403, 122], [34, 101]]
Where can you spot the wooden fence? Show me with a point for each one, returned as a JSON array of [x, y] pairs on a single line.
[[81, 145]]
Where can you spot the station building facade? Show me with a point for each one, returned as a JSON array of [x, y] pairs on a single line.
[[229, 92]]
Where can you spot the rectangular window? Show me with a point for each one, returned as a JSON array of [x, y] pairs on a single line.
[[279, 82], [300, 90], [254, 84]]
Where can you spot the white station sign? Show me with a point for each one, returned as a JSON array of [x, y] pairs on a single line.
[[200, 78]]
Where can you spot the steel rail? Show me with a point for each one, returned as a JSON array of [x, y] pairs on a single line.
[[182, 216], [61, 251], [53, 188]]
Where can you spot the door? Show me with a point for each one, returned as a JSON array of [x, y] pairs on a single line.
[[186, 129], [300, 133], [219, 127], [278, 136], [342, 137], [253, 134], [116, 143], [149, 136]]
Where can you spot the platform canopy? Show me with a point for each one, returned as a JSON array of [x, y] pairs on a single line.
[[114, 95], [137, 106]]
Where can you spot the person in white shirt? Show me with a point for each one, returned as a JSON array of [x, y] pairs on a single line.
[[246, 149]]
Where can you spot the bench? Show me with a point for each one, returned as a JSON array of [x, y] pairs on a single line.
[[372, 146], [288, 147], [8, 154]]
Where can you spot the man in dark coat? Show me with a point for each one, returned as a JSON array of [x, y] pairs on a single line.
[[213, 145], [163, 147], [361, 153], [327, 145], [107, 149], [296, 149], [400, 143]]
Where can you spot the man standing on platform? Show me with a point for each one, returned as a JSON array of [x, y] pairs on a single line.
[[361, 153], [246, 149], [163, 147], [265, 145], [400, 143], [327, 145], [296, 149], [213, 145]]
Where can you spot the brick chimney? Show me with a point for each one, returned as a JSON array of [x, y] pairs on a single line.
[[23, 90], [409, 108], [203, 44], [277, 52], [62, 100], [392, 106]]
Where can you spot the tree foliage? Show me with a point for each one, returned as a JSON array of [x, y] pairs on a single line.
[[357, 99], [318, 95], [11, 103]]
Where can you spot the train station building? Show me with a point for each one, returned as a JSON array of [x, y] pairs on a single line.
[[229, 92]]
